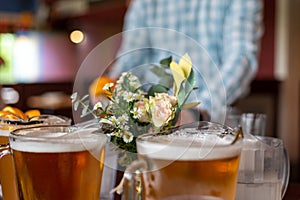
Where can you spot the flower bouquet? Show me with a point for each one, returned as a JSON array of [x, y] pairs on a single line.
[[133, 110]]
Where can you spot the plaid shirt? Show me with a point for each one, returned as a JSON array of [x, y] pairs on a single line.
[[221, 36]]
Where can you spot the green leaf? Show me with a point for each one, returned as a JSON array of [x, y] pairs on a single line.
[[84, 97], [86, 103], [191, 78], [166, 62], [74, 97], [177, 112], [157, 89], [165, 78], [181, 95], [158, 71], [85, 110], [167, 81], [75, 105], [186, 88]]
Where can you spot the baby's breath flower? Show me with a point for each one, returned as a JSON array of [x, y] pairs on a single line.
[[136, 113], [127, 136], [125, 127], [123, 75], [117, 134], [135, 84], [98, 105], [132, 78], [118, 87]]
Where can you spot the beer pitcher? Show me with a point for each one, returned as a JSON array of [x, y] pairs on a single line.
[[264, 169], [57, 162], [198, 159]]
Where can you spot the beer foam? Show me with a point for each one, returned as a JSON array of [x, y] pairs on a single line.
[[58, 142], [182, 146], [4, 133]]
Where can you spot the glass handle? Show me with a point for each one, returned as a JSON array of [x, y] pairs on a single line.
[[132, 180], [4, 150], [286, 172]]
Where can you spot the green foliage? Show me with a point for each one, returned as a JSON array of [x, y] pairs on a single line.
[[185, 90], [157, 89]]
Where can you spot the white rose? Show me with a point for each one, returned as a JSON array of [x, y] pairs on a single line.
[[162, 111]]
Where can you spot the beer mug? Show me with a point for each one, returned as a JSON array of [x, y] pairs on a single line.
[[57, 162], [199, 159], [7, 176], [264, 169]]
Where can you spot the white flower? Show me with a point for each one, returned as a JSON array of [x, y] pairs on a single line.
[[172, 99], [98, 105], [128, 96], [125, 127], [141, 106], [116, 133], [127, 136], [139, 95], [104, 120], [132, 78], [107, 86], [123, 75], [137, 113], [121, 79], [162, 111], [123, 119], [118, 88], [114, 120], [135, 84]]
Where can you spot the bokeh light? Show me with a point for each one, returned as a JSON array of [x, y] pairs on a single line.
[[76, 36]]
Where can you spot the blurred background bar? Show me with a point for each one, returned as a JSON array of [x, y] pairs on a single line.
[[39, 61]]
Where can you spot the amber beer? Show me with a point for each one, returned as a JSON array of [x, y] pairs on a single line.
[[9, 187], [59, 167], [189, 165], [7, 171]]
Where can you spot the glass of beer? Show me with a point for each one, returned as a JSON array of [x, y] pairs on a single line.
[[198, 159], [57, 162], [9, 123]]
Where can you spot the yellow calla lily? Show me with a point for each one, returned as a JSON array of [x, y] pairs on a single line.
[[181, 71], [186, 65]]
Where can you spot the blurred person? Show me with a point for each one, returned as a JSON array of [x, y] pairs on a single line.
[[228, 30]]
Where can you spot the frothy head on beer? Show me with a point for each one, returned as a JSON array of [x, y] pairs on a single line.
[[190, 143], [54, 139]]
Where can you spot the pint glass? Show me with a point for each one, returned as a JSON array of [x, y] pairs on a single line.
[[197, 159], [57, 162], [7, 175]]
